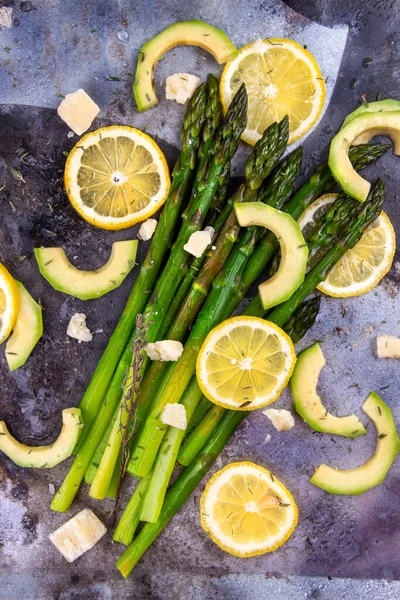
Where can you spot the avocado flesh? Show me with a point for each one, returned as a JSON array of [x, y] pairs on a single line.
[[360, 479], [44, 456], [378, 106], [374, 123], [185, 33], [294, 250], [28, 329], [307, 402], [86, 285]]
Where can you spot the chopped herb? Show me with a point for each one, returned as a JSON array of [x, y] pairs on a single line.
[[21, 258], [382, 435], [353, 83], [110, 78], [17, 175], [60, 95], [7, 49], [3, 187]]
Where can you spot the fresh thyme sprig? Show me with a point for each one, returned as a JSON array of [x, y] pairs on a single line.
[[131, 386]]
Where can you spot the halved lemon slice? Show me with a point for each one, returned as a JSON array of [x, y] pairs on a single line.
[[9, 303], [247, 511], [116, 176], [362, 267], [244, 363], [282, 78], [312, 215]]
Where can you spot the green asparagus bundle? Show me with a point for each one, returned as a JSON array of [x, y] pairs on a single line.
[[220, 303], [192, 475], [264, 157], [226, 142]]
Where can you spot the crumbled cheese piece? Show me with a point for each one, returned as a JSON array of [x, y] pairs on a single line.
[[165, 350], [198, 242], [181, 87], [77, 328], [268, 438], [147, 229], [52, 489], [174, 415], [281, 419], [78, 111], [388, 346], [6, 16], [78, 535], [70, 134]]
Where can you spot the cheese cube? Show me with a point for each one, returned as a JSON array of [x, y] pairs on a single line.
[[78, 535], [174, 415], [78, 111], [147, 229], [388, 346], [181, 87], [164, 350], [281, 419]]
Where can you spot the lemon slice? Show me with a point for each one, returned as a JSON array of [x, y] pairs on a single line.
[[244, 363], [9, 303], [362, 267], [313, 214], [116, 176], [247, 511], [282, 78]]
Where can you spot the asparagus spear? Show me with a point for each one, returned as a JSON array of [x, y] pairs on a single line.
[[265, 155], [226, 143], [190, 478], [192, 475], [101, 378], [296, 328]]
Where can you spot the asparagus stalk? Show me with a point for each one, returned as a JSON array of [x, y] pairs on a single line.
[[101, 378], [265, 155], [296, 328], [226, 143], [192, 475], [189, 479], [201, 409], [130, 519]]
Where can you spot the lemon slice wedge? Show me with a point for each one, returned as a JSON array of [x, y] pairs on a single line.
[[9, 303], [247, 511], [281, 78], [244, 363], [116, 176], [362, 267]]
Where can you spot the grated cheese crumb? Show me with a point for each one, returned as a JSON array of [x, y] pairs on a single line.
[[181, 87], [147, 229], [77, 328], [281, 419], [199, 241], [174, 415], [164, 350], [78, 111]]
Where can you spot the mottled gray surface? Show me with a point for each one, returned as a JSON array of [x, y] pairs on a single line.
[[53, 49]]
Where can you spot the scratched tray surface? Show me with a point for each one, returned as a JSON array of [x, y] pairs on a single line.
[[337, 536]]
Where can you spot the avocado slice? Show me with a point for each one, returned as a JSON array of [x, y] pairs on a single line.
[[308, 404], [374, 123], [27, 330], [184, 33], [294, 250], [44, 456], [86, 285], [373, 472]]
